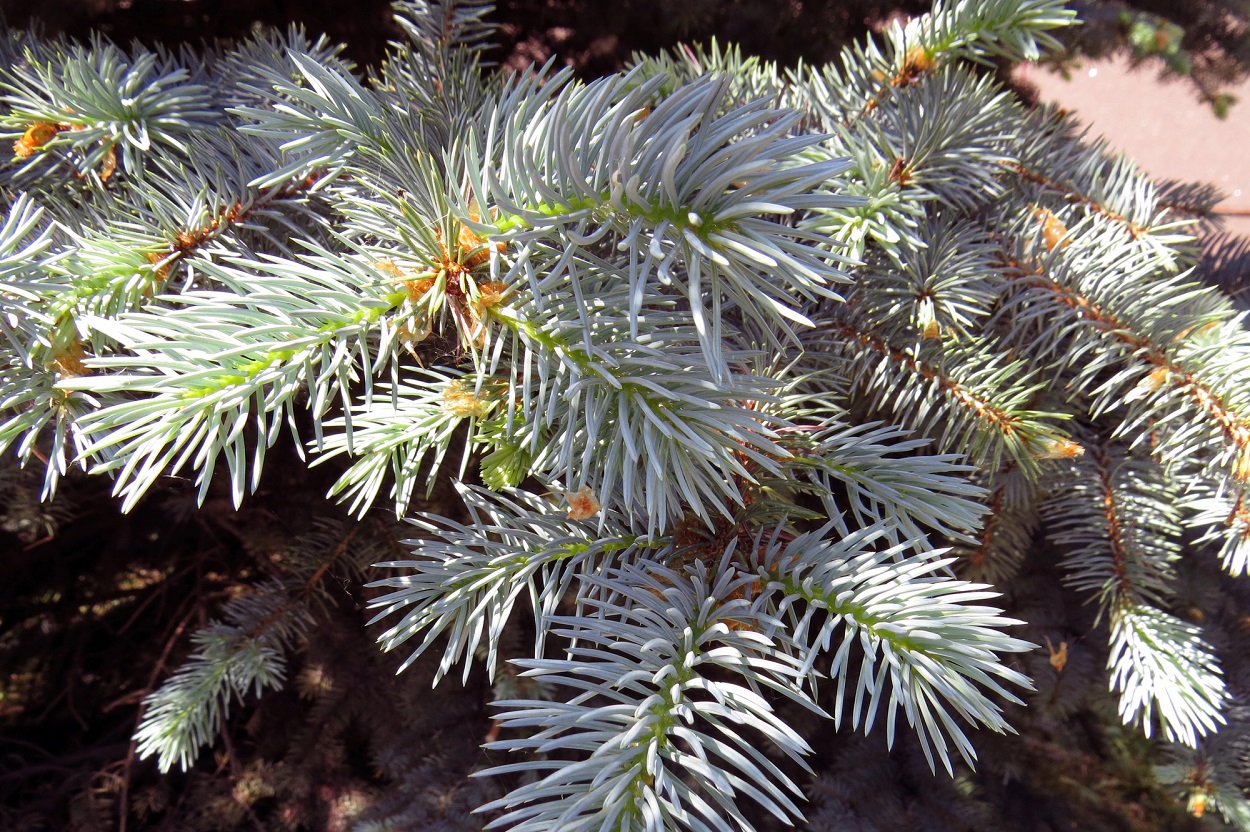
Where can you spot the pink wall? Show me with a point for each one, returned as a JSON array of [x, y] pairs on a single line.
[[1161, 125]]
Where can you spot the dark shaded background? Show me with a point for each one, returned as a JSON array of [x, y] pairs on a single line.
[[599, 36], [593, 36]]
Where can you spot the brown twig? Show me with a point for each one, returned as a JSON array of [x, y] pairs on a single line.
[[987, 412], [1074, 197], [1234, 428]]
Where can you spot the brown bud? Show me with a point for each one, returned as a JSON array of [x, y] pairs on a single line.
[[109, 166], [1054, 232], [1058, 658], [460, 400], [35, 137], [160, 260], [1056, 447], [582, 503]]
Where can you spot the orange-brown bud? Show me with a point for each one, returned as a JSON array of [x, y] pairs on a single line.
[[160, 259], [68, 362], [35, 137], [489, 294], [1054, 447], [583, 503], [1054, 232], [460, 400], [109, 166], [1154, 380], [417, 288], [1058, 658]]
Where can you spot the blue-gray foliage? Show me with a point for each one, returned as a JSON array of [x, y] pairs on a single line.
[[737, 354]]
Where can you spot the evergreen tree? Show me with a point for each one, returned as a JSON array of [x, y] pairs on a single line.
[[755, 386]]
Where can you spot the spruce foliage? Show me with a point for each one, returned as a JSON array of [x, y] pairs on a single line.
[[754, 385]]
